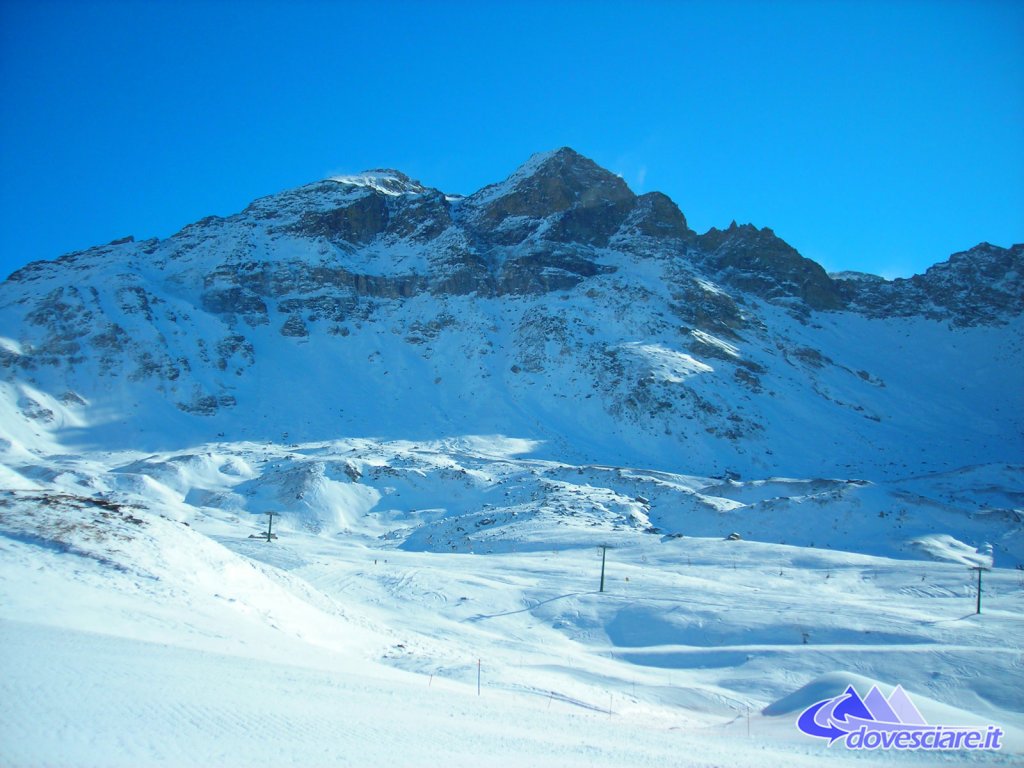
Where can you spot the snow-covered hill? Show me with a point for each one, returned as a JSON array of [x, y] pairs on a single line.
[[161, 632], [450, 403]]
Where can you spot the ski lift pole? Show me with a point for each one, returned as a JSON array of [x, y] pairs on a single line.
[[604, 552], [270, 525], [979, 569]]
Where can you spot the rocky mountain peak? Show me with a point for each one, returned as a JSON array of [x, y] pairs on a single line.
[[573, 175], [656, 215], [551, 182], [760, 262], [575, 198], [983, 261], [983, 285]]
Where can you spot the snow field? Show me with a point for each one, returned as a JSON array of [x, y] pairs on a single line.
[[153, 642]]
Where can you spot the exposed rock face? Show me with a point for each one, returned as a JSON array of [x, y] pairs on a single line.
[[655, 215], [546, 271], [756, 261], [294, 327], [554, 297], [550, 184], [566, 198], [234, 301], [358, 222], [984, 285]]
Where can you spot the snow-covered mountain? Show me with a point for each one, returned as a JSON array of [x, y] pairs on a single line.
[[555, 306], [549, 364]]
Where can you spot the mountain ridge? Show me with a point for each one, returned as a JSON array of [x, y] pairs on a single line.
[[555, 180], [492, 312]]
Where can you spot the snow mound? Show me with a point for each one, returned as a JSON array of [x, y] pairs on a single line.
[[145, 554], [942, 546], [835, 683], [823, 687]]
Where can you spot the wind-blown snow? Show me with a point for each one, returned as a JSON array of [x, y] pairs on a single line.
[[386, 182]]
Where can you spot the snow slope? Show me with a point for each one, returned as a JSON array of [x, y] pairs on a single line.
[[357, 640], [454, 407]]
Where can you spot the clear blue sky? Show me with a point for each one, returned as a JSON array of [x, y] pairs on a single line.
[[879, 136]]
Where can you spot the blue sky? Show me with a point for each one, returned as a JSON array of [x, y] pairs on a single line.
[[873, 136]]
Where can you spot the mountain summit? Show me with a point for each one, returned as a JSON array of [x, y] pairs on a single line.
[[552, 182], [575, 199], [556, 307]]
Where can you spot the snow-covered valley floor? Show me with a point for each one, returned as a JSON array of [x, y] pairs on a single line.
[[142, 625]]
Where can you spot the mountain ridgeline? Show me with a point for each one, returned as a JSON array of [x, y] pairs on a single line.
[[556, 307]]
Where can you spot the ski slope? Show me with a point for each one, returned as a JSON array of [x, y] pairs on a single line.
[[143, 625]]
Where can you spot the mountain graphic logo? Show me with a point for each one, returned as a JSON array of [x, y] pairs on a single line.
[[894, 722]]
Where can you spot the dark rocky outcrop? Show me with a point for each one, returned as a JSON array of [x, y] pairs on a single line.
[[759, 262], [655, 215], [984, 285], [560, 196], [358, 223]]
